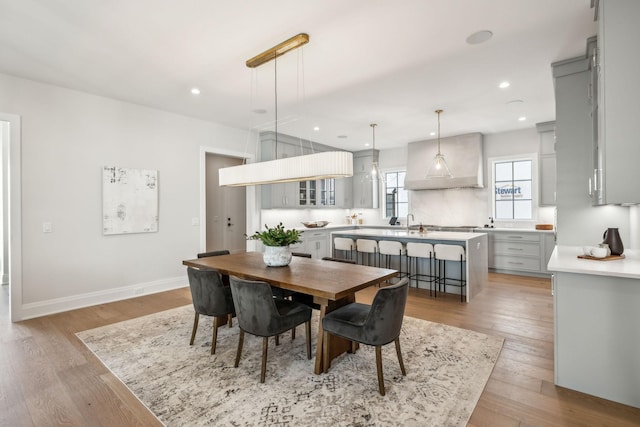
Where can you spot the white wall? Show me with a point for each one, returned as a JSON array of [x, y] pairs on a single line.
[[67, 137]]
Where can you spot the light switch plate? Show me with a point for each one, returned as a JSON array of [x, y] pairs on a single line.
[[47, 227]]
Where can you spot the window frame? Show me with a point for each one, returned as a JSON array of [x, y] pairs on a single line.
[[383, 191], [533, 158]]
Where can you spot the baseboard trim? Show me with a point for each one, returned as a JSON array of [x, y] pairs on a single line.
[[58, 305]]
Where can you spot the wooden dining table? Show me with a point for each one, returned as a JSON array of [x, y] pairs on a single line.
[[332, 284]]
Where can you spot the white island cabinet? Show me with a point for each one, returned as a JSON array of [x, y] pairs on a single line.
[[597, 324], [475, 269]]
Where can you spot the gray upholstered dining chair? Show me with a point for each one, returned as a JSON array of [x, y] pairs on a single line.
[[210, 297], [213, 253], [262, 315], [225, 278], [376, 324]]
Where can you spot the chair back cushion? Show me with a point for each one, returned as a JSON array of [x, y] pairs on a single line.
[[261, 314], [384, 321], [210, 296]]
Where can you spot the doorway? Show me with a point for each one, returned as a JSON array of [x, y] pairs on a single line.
[[226, 208], [10, 217]]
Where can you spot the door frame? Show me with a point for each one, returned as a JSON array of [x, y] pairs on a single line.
[[252, 202], [11, 168]]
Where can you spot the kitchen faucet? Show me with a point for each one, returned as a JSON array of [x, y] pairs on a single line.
[[412, 217]]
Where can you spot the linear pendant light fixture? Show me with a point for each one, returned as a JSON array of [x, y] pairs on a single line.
[[310, 167], [439, 168]]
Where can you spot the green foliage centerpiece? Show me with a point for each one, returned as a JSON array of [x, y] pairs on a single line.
[[276, 241]]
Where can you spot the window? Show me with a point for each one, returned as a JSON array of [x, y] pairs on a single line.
[[513, 189], [396, 198]]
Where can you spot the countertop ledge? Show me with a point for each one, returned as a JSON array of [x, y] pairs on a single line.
[[565, 259]]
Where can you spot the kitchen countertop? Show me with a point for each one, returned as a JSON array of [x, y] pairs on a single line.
[[565, 259], [413, 234]]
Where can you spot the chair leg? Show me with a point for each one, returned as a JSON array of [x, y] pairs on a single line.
[[239, 352], [265, 346], [325, 352], [195, 328], [214, 339], [404, 372], [277, 339], [230, 319], [379, 367], [293, 333], [307, 327]]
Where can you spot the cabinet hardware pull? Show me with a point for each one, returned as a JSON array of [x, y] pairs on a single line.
[[514, 263], [515, 249], [514, 237]]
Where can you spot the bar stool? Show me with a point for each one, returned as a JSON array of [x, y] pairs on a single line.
[[444, 253], [387, 249], [343, 244], [367, 247], [415, 252]]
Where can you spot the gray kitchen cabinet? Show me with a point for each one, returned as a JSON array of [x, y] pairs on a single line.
[[596, 335], [546, 164], [316, 243], [365, 188], [617, 65], [283, 195], [519, 252]]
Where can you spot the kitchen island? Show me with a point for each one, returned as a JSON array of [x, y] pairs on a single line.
[[476, 265]]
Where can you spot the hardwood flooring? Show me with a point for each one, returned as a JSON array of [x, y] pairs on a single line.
[[48, 377]]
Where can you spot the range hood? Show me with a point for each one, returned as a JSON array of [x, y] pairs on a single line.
[[464, 156]]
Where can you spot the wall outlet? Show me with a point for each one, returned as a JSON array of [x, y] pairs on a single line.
[[195, 222], [138, 291], [47, 227]]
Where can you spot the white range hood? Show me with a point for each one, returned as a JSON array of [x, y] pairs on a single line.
[[463, 153]]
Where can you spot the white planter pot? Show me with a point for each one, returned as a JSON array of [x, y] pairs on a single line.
[[277, 256]]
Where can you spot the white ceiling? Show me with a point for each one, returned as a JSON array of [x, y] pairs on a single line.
[[382, 61]]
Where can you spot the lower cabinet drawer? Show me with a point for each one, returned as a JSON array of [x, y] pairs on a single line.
[[516, 263], [516, 248]]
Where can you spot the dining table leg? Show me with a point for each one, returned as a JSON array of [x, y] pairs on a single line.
[[335, 346]]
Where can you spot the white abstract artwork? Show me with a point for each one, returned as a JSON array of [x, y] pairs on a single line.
[[129, 200]]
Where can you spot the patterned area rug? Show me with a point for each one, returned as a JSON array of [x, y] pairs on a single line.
[[447, 369]]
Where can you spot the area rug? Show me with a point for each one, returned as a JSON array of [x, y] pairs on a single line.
[[447, 369]]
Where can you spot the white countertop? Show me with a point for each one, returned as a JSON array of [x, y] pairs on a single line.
[[404, 234], [565, 259]]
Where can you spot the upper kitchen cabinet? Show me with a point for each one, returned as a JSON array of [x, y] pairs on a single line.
[[547, 163], [618, 97], [365, 188]]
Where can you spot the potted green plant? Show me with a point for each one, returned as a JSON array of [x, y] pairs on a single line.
[[276, 241]]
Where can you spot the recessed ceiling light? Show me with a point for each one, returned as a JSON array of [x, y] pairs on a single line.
[[316, 128], [479, 37], [432, 134], [522, 119], [366, 144], [195, 91], [504, 85], [259, 111]]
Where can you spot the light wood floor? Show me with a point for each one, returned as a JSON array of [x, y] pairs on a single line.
[[48, 377]]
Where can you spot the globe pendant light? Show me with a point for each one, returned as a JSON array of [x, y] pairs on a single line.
[[439, 168]]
